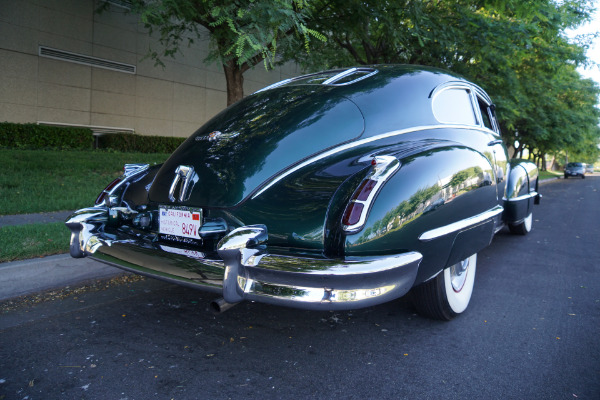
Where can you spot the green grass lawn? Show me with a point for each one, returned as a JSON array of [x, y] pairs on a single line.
[[550, 174], [33, 240], [33, 181]]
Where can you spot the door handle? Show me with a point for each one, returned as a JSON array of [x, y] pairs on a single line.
[[495, 142]]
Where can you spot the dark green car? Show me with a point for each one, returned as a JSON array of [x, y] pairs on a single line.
[[336, 190]]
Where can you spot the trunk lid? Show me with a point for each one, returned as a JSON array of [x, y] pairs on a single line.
[[237, 151]]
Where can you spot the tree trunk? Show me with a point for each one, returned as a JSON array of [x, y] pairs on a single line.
[[234, 75], [543, 162]]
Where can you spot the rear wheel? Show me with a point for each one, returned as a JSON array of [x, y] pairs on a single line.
[[448, 294], [566, 176], [523, 227]]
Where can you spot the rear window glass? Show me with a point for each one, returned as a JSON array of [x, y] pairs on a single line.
[[454, 106]]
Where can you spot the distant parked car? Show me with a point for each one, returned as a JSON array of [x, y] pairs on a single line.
[[575, 169], [330, 191], [589, 169]]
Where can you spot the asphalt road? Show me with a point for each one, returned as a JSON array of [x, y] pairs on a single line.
[[531, 332]]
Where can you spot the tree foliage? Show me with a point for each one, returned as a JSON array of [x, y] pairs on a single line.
[[516, 50], [243, 33]]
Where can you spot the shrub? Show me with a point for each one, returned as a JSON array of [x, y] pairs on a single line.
[[33, 136], [128, 142]]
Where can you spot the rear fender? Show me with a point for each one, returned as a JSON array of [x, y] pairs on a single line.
[[521, 191], [432, 189]]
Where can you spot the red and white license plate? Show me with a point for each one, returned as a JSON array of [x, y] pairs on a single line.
[[182, 222]]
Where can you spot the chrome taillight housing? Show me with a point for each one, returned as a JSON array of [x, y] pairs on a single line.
[[357, 210], [130, 170], [107, 190]]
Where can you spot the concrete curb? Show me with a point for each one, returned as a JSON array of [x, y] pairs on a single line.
[[19, 278]]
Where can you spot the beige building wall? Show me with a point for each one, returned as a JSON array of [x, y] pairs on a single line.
[[173, 101]]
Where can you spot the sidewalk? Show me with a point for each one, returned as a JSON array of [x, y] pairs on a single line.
[[18, 278], [22, 219]]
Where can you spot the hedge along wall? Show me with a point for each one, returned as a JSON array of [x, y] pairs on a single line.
[[33, 136], [130, 142]]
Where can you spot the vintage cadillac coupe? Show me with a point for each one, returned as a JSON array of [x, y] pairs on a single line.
[[336, 190]]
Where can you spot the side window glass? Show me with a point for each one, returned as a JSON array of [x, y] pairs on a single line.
[[484, 108], [454, 106]]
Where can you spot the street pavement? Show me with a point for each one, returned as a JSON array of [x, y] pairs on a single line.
[[530, 332]]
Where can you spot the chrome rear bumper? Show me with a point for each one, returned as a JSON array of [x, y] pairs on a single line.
[[245, 270]]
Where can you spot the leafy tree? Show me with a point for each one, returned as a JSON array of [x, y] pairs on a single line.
[[243, 33], [516, 50]]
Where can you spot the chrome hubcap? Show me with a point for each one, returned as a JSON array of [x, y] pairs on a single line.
[[458, 274]]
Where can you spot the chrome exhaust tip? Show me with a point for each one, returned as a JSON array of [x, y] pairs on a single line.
[[219, 306]]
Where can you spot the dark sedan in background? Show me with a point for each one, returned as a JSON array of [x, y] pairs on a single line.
[[335, 190], [575, 169]]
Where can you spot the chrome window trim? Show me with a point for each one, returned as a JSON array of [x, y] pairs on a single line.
[[460, 225], [448, 86], [475, 93], [278, 177], [457, 86]]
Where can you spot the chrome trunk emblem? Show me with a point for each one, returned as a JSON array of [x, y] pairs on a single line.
[[185, 178]]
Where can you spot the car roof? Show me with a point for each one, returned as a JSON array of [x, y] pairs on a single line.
[[390, 97]]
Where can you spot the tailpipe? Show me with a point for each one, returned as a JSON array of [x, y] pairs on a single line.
[[219, 306]]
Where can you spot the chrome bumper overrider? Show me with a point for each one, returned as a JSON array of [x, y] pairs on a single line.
[[245, 270]]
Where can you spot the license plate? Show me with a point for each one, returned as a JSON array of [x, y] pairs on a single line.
[[180, 221]]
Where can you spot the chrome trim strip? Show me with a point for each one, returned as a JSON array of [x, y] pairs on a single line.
[[522, 197], [339, 76], [460, 225], [276, 84], [357, 143], [357, 79]]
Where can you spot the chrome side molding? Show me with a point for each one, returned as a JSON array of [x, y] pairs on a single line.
[[460, 225]]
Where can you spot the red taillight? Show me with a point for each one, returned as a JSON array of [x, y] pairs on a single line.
[[353, 213], [356, 206], [364, 190], [106, 191]]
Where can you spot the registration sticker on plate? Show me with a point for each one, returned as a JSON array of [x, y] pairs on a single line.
[[182, 222]]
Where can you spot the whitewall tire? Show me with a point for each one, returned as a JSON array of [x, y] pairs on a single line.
[[449, 293], [523, 227]]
